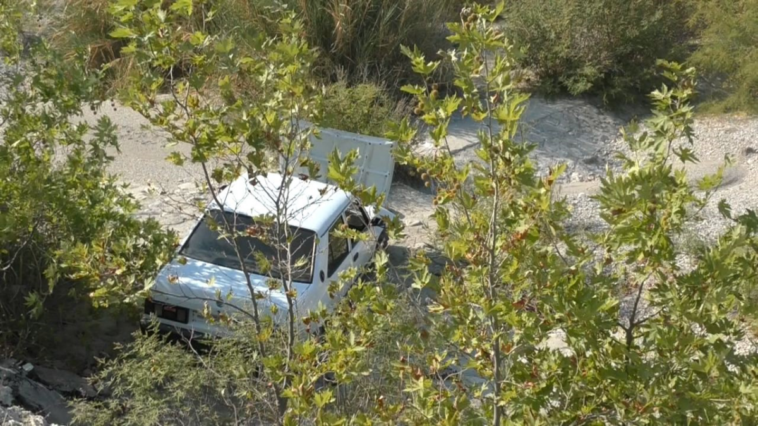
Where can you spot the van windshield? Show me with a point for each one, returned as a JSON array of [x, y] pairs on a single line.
[[212, 242]]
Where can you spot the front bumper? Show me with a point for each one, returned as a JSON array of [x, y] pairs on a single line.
[[150, 323]]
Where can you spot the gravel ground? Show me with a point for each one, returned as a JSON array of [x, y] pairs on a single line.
[[716, 138], [142, 164]]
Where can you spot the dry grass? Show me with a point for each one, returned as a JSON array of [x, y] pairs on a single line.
[[363, 37], [85, 25]]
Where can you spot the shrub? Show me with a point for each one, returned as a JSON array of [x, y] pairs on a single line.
[[605, 47], [85, 24], [66, 227], [364, 108], [356, 38], [363, 37], [728, 49]]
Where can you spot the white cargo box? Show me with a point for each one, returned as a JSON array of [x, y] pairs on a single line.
[[375, 163]]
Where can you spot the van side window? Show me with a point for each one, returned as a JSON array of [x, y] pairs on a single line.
[[338, 247], [356, 218]]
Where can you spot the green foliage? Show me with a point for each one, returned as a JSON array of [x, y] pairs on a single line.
[[727, 50], [64, 218], [154, 382], [605, 47], [603, 329], [274, 366], [524, 324], [364, 108], [356, 39]]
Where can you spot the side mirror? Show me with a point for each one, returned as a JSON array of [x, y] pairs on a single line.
[[376, 221], [321, 275]]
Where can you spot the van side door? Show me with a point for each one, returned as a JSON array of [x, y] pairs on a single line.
[[338, 260], [361, 250]]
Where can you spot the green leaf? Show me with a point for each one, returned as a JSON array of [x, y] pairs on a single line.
[[323, 398], [197, 38], [412, 89], [122, 32], [725, 209], [176, 158], [182, 6], [224, 46]]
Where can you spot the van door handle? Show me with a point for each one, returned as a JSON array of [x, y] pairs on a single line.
[[355, 257]]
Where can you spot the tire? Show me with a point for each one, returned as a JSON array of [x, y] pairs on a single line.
[[381, 245], [383, 241]]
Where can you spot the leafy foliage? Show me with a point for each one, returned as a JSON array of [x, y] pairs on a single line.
[[605, 47], [160, 379], [363, 108], [525, 324], [362, 38], [727, 50], [357, 40], [64, 219], [603, 328]]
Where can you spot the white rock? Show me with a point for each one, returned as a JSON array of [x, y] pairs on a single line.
[[17, 416], [188, 186]]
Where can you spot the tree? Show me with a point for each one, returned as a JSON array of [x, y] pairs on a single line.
[[527, 324], [66, 230], [605, 328], [187, 85]]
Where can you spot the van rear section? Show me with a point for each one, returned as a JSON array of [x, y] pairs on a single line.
[[375, 162]]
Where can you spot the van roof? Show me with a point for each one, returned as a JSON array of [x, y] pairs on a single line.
[[311, 204]]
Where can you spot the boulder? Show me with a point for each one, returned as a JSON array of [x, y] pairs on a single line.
[[6, 396], [39, 398], [65, 382]]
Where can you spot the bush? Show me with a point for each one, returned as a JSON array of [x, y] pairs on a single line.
[[67, 233], [85, 25], [364, 108], [356, 38], [363, 37], [605, 47], [728, 51]]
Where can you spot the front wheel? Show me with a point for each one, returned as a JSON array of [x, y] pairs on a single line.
[[381, 244]]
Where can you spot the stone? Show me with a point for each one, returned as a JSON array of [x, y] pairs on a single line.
[[41, 399], [65, 382], [575, 177], [6, 396], [9, 363], [594, 159], [7, 375], [28, 367], [17, 416], [187, 186]]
